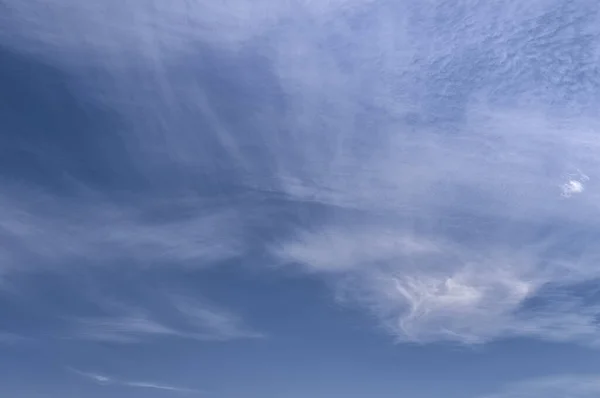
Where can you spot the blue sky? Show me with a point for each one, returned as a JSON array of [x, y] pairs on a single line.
[[342, 198]]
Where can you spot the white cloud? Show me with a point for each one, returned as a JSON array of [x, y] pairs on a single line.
[[470, 291], [347, 247], [11, 338], [109, 380], [187, 318], [572, 187], [121, 329], [435, 137], [98, 378], [126, 31], [163, 387], [213, 323], [575, 185], [464, 162], [572, 386], [94, 232]]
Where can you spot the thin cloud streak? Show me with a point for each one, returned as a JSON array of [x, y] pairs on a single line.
[[11, 338], [160, 387], [112, 381], [188, 319], [213, 323], [572, 386], [96, 232]]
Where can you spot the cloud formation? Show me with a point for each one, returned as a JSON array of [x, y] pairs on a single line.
[[575, 185], [48, 229], [111, 381], [442, 141], [573, 386], [182, 318], [469, 292], [10, 338], [448, 219]]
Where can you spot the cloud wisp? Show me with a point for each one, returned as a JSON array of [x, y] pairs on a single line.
[[573, 386], [112, 381], [183, 318], [100, 233], [9, 338]]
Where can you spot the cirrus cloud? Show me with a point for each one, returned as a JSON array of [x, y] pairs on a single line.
[[442, 141], [574, 386]]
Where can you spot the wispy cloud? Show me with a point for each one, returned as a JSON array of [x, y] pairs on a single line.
[[11, 338], [467, 214], [186, 318], [224, 25], [439, 289], [572, 386], [121, 329], [109, 380], [97, 232], [98, 378], [211, 322], [453, 153]]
